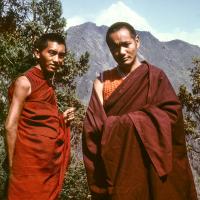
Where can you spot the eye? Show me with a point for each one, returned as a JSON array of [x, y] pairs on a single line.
[[114, 47], [61, 55], [52, 52], [126, 44]]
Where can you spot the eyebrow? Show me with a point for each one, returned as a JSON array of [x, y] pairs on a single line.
[[120, 43], [56, 51]]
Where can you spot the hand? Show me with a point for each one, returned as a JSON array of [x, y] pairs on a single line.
[[69, 114]]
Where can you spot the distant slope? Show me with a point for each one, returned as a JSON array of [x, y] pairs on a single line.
[[173, 57]]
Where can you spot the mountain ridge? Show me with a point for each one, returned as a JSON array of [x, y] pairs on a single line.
[[174, 57]]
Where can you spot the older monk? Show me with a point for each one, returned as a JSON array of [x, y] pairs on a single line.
[[134, 141]]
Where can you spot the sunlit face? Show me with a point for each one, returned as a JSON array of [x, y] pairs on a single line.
[[124, 47], [52, 57]]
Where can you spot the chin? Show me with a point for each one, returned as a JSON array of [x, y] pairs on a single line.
[[126, 64], [52, 70]]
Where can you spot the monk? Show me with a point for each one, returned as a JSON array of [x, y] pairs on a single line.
[[37, 134], [133, 138]]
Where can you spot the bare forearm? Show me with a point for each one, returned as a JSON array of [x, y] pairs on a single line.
[[11, 137], [22, 89]]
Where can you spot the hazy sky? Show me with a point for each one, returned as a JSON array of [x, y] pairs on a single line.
[[165, 19]]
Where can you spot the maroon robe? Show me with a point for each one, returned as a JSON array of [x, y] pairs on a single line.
[[42, 147], [134, 145]]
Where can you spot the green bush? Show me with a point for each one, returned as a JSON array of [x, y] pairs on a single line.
[[75, 186]]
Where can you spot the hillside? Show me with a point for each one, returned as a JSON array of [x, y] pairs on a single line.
[[174, 57]]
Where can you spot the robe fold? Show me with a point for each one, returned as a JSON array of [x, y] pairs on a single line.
[[42, 147], [134, 145]]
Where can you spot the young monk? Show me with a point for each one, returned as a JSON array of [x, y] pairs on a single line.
[[37, 134]]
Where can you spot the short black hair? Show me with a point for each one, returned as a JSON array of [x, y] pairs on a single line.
[[42, 42], [117, 26]]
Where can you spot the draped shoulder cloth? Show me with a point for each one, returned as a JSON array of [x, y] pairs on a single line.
[[134, 144], [42, 149]]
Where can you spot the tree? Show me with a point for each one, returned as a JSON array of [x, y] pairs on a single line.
[[191, 104], [21, 23], [191, 100]]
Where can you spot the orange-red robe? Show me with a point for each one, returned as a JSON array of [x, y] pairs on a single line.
[[42, 147], [134, 145]]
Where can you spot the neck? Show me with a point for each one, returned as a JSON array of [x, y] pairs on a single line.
[[46, 74], [128, 69], [38, 66]]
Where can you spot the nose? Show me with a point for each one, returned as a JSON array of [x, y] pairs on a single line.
[[56, 59], [122, 51]]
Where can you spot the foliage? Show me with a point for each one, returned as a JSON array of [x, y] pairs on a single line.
[[21, 23], [75, 182], [191, 103], [191, 100]]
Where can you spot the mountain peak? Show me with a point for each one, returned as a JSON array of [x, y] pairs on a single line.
[[174, 57]]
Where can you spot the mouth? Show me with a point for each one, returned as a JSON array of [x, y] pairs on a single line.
[[54, 67], [124, 59]]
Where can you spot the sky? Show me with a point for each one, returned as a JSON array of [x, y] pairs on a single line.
[[165, 19]]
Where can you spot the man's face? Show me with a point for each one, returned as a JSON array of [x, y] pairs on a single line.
[[52, 57], [124, 47]]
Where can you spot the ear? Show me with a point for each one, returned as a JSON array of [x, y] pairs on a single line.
[[137, 40], [37, 53]]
